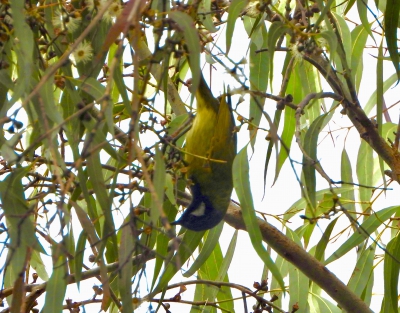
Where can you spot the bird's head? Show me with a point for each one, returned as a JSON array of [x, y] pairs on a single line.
[[201, 213]]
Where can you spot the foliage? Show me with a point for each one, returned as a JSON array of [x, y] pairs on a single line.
[[94, 102]]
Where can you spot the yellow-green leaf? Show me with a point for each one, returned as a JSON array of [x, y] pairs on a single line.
[[365, 229], [241, 183]]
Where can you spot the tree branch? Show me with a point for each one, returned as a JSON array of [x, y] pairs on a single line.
[[365, 127], [306, 263]]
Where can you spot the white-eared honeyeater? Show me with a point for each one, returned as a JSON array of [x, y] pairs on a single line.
[[209, 152]]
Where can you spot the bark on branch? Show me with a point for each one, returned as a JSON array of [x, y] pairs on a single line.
[[306, 263]]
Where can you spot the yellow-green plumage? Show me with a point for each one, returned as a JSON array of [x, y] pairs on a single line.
[[210, 150]]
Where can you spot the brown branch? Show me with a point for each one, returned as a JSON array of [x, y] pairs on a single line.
[[218, 284], [306, 263], [65, 57], [70, 279], [365, 127], [299, 111]]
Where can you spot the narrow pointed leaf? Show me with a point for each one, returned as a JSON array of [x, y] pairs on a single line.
[[186, 24], [391, 27], [80, 252], [235, 8], [125, 252], [159, 183], [208, 248], [365, 229], [241, 183], [362, 6], [310, 147], [186, 248], [360, 277], [391, 270], [298, 282], [365, 169], [57, 284]]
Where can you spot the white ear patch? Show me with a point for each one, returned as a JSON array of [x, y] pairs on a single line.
[[200, 210]]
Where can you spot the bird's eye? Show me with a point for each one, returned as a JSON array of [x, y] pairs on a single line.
[[200, 210]]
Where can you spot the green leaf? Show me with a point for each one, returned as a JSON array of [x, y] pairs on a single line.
[[47, 99], [389, 131], [6, 80], [215, 269], [69, 243], [349, 5], [14, 271], [301, 204], [17, 295], [161, 253], [79, 254], [203, 14], [235, 8], [283, 267], [259, 69], [189, 243], [380, 104], [98, 38], [367, 293], [119, 82], [90, 85], [310, 147], [289, 127], [272, 144], [310, 83], [23, 47], [186, 24], [125, 252], [223, 270], [362, 272], [276, 30], [241, 183], [96, 180], [224, 296], [86, 223], [207, 249], [159, 183], [103, 198], [372, 100], [391, 24], [347, 177], [38, 265], [323, 304], [365, 229], [344, 31], [322, 244], [7, 149], [69, 100], [253, 27], [57, 284], [176, 125], [20, 221], [325, 7], [331, 39], [359, 38], [289, 124], [365, 170], [362, 6], [298, 282], [391, 270], [199, 296], [169, 188]]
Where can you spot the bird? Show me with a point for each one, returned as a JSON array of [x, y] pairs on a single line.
[[209, 153]]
